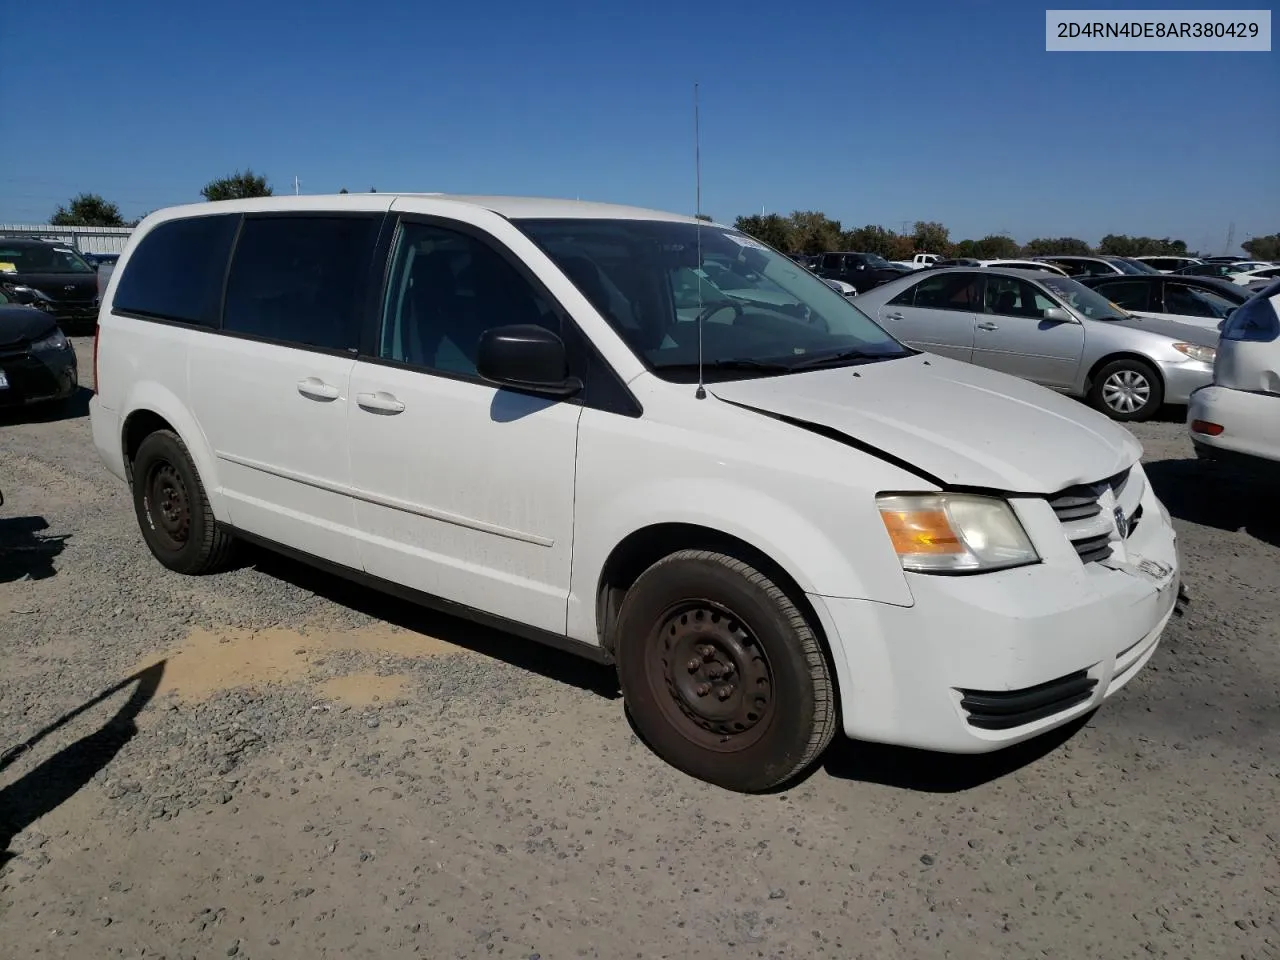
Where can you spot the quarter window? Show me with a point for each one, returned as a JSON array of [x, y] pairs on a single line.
[[301, 280], [176, 271], [446, 289]]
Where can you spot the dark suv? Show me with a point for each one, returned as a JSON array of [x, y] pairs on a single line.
[[51, 277], [862, 271]]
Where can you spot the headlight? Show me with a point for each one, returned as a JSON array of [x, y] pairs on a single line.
[[1196, 352], [955, 533], [52, 343]]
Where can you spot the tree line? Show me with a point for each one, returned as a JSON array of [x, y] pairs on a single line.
[[803, 232], [92, 210], [813, 232]]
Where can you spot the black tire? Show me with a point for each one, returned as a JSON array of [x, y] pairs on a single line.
[[173, 511], [686, 618], [1121, 384]]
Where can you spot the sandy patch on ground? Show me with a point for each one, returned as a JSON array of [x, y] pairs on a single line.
[[209, 661]]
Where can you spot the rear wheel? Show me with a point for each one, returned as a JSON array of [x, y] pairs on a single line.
[[1127, 390], [722, 674], [173, 511]]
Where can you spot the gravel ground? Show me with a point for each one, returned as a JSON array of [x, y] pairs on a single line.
[[271, 763]]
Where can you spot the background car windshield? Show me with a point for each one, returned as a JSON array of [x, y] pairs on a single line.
[[1086, 302], [757, 306], [42, 258]]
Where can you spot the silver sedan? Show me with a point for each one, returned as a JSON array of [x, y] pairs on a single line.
[[1048, 329]]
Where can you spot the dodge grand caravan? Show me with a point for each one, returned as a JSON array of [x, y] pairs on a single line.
[[643, 437]]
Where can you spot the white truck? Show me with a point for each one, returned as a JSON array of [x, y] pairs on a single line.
[[920, 261]]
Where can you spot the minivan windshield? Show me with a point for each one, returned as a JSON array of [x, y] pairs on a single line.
[[1084, 301], [658, 283], [40, 258]]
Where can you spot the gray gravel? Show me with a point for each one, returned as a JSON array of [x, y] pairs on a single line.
[[493, 801]]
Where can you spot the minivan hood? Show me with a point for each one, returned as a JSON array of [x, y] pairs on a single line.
[[956, 423]]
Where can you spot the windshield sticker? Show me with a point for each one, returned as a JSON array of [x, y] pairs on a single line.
[[6, 267], [743, 240]]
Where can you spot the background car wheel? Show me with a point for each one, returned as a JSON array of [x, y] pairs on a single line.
[[722, 674], [1127, 390], [173, 511]]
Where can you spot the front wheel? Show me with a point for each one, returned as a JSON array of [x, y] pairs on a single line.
[[722, 674], [1127, 390]]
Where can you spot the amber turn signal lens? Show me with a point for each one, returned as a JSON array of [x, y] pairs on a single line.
[[921, 532], [1205, 427]]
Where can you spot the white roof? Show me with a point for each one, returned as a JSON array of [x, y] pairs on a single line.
[[501, 205]]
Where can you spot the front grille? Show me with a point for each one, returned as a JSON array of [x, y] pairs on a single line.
[[1006, 709], [1090, 529]]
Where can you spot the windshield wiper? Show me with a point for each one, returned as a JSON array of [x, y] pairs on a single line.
[[732, 363], [842, 356]]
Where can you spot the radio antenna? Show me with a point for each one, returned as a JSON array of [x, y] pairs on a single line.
[[701, 392]]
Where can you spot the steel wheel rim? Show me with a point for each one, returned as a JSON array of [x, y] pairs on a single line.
[[168, 505], [710, 676], [1126, 391]]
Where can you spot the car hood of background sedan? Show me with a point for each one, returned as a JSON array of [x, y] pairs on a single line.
[[22, 324], [960, 425]]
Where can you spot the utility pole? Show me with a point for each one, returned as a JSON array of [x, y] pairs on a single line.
[[295, 184], [1231, 236]]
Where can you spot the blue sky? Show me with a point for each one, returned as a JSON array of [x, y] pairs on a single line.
[[874, 113]]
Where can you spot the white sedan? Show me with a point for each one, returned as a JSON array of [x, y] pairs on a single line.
[[1237, 417], [1269, 271]]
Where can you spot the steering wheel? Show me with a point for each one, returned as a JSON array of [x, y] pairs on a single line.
[[711, 309]]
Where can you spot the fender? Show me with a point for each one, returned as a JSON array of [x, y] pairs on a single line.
[[160, 400], [808, 554]]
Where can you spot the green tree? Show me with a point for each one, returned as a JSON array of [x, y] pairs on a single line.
[[343, 190], [869, 239], [772, 229], [994, 246], [87, 210], [929, 236], [1046, 247], [1266, 247], [815, 232], [703, 216], [241, 184]]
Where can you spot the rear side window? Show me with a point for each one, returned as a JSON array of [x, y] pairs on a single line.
[[1130, 294], [301, 280], [177, 270]]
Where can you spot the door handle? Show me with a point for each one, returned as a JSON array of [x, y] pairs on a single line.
[[987, 325], [380, 402], [317, 389], [894, 316]]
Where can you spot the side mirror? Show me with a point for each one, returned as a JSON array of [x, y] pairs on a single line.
[[1058, 315], [526, 357]]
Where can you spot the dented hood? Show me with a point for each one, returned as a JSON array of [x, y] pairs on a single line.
[[952, 422]]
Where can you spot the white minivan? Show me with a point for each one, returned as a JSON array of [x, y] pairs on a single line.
[[643, 437]]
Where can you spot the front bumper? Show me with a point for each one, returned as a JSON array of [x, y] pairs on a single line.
[[981, 662], [37, 377], [1250, 422], [1182, 379]]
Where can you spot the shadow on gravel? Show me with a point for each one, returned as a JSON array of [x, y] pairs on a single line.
[[929, 772], [60, 777], [1215, 495], [72, 408], [528, 655], [23, 553]]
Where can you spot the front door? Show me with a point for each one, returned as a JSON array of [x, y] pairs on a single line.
[[462, 490], [1014, 336], [937, 314]]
